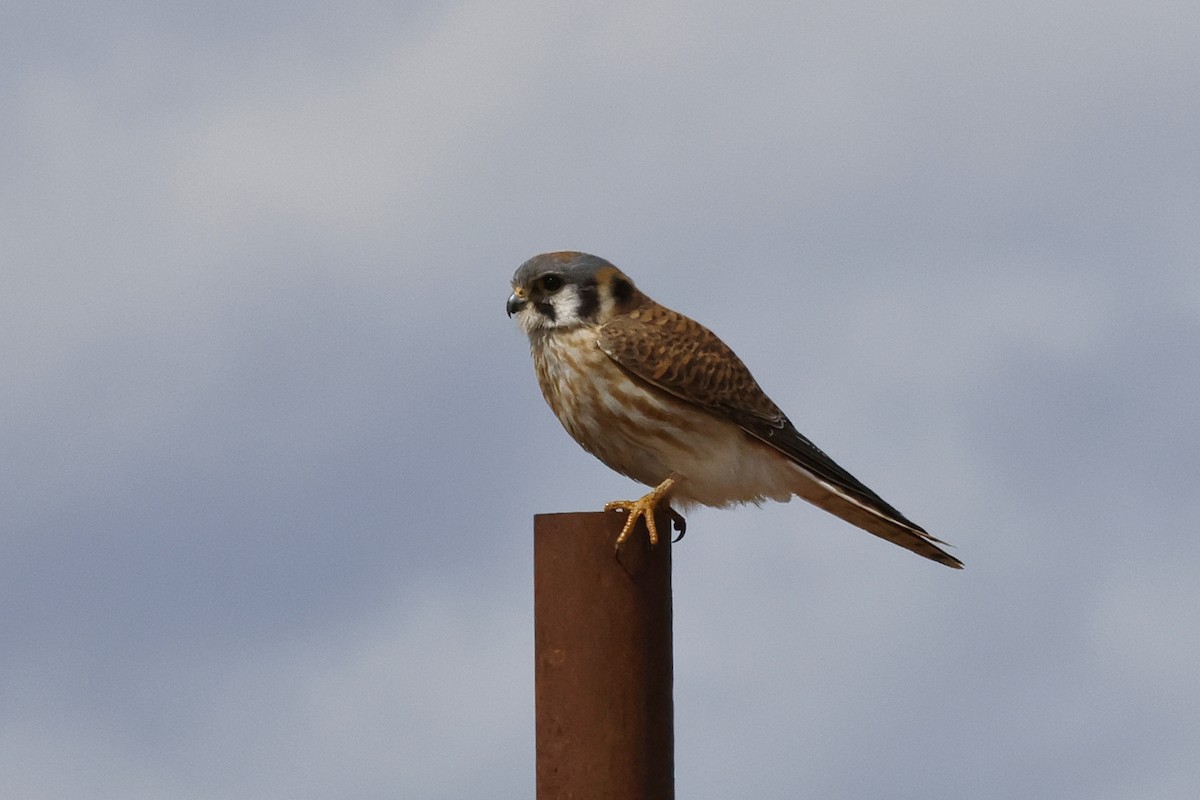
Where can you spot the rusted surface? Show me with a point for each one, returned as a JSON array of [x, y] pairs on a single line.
[[602, 642]]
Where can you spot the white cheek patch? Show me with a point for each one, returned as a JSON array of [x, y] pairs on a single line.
[[566, 306]]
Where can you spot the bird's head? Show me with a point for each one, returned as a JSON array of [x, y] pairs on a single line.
[[569, 290]]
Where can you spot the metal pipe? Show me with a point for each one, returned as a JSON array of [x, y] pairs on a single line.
[[602, 642]]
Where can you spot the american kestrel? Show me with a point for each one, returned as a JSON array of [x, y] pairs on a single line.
[[659, 398]]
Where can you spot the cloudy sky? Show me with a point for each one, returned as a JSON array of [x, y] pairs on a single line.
[[270, 448]]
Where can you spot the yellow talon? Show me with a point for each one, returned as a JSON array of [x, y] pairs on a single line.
[[644, 507]]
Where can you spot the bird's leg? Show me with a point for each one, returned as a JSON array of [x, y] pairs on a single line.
[[644, 507]]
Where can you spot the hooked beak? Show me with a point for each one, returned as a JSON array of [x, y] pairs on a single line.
[[515, 304]]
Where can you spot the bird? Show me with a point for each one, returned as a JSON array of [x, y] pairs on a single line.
[[661, 399]]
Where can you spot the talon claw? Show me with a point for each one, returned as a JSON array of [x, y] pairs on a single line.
[[678, 523]]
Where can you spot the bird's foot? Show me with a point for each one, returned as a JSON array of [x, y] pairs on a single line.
[[645, 507]]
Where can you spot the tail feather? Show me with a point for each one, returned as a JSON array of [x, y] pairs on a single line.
[[841, 504]]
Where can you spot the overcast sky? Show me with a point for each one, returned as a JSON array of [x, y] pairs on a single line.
[[270, 448]]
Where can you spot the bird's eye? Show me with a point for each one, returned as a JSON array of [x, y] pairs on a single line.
[[552, 283]]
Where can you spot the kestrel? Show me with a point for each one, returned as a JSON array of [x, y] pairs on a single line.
[[658, 397]]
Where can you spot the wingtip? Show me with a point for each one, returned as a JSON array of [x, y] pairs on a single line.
[[929, 548], [935, 553]]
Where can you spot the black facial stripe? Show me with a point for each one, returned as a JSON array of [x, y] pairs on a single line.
[[622, 290], [589, 300], [546, 309]]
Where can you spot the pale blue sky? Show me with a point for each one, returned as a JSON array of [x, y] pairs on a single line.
[[270, 447]]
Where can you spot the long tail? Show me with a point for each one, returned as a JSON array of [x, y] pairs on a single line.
[[874, 520]]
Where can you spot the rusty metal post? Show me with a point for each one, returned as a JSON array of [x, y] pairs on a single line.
[[602, 642]]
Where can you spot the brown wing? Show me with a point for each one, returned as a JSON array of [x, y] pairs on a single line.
[[681, 356]]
